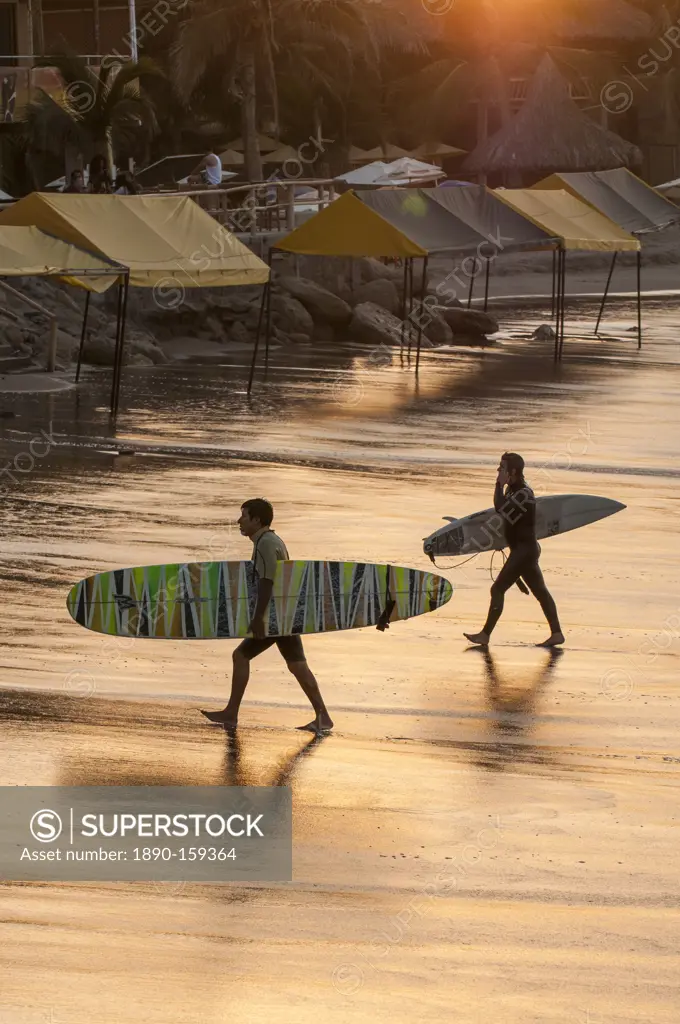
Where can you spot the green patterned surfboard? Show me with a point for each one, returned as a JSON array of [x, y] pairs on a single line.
[[214, 600]]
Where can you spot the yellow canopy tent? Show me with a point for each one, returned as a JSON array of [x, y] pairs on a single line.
[[348, 227], [623, 197], [578, 224], [26, 251], [580, 227], [163, 242]]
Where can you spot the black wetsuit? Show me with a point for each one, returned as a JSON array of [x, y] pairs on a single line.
[[518, 508]]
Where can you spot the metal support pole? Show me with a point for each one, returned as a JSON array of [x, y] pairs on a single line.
[[563, 290], [403, 307], [257, 337], [554, 284], [472, 283], [52, 346], [117, 351], [606, 292], [558, 304], [268, 322], [126, 288], [639, 297], [423, 290], [410, 305], [88, 295], [486, 283]]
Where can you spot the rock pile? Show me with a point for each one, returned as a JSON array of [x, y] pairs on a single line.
[[313, 300]]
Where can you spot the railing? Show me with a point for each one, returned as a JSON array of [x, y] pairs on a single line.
[[267, 206]]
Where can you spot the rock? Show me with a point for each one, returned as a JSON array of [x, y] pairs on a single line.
[[374, 325], [291, 314], [368, 269], [546, 333], [300, 339], [320, 303], [212, 325], [99, 350], [137, 359], [67, 345], [442, 293], [323, 333], [13, 335], [435, 327], [142, 346], [240, 334], [468, 321], [381, 292]]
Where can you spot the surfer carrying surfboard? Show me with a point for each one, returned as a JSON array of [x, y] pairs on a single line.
[[255, 522], [514, 500]]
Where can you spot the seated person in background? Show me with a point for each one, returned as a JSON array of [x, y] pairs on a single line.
[[76, 183], [211, 169], [125, 185], [99, 174]]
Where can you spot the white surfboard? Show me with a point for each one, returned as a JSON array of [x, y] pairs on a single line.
[[484, 531]]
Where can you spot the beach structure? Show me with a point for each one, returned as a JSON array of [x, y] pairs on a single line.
[[396, 172], [474, 223], [434, 151], [26, 251], [167, 243], [626, 200], [549, 133]]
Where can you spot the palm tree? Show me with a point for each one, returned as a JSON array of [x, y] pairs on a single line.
[[98, 110], [258, 42]]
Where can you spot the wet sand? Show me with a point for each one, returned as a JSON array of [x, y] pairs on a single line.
[[483, 837]]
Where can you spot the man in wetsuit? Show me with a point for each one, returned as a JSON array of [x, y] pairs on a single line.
[[268, 549], [515, 501]]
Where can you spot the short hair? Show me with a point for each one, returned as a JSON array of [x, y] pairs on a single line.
[[259, 508], [513, 461]]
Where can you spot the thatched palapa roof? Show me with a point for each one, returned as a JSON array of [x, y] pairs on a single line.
[[551, 133]]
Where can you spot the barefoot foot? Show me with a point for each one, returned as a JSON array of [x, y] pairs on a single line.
[[321, 724], [482, 639], [224, 718], [554, 640]]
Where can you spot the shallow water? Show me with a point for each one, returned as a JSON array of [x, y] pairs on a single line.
[[548, 785]]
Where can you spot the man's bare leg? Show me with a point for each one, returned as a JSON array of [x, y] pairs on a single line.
[[305, 677], [239, 681]]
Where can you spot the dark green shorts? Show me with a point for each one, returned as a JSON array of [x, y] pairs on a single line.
[[290, 646]]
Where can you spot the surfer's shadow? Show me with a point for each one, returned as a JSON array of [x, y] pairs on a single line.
[[236, 771], [514, 714]]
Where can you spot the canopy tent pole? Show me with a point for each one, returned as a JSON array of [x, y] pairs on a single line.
[[410, 306], [82, 334], [263, 307], [116, 354], [639, 297], [606, 292], [554, 273], [472, 282], [403, 306], [423, 290], [558, 302], [120, 342], [123, 324], [268, 322], [486, 283], [257, 337], [563, 291]]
